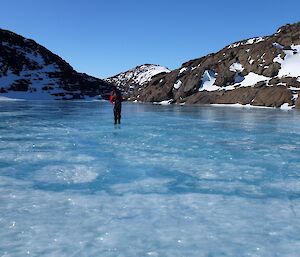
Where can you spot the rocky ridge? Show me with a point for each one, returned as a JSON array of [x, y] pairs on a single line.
[[134, 79], [30, 71], [261, 71]]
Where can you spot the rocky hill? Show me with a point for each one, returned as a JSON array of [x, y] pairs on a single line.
[[134, 79], [30, 71], [261, 71]]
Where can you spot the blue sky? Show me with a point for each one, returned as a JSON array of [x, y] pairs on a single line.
[[103, 38]]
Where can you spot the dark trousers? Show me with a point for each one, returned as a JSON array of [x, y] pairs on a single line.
[[117, 113]]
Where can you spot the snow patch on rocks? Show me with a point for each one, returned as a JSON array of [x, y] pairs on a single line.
[[290, 63], [137, 76], [207, 81], [251, 79], [236, 67], [278, 46], [254, 40], [250, 41], [178, 84], [182, 70], [286, 106]]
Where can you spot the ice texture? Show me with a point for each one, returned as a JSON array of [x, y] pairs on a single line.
[[169, 181]]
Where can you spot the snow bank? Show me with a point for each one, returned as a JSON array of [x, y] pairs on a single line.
[[286, 106], [165, 102], [241, 106], [3, 98]]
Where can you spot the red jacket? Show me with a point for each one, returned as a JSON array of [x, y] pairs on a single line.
[[111, 98], [115, 98]]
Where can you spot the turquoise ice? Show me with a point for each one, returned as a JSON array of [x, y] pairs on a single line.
[[170, 181]]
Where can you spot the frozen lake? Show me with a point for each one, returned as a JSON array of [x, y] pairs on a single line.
[[170, 181]]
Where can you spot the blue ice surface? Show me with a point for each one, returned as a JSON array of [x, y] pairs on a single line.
[[169, 181]]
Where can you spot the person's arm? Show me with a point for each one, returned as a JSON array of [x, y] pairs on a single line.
[[111, 99]]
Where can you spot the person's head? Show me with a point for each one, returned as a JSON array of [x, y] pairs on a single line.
[[116, 92]]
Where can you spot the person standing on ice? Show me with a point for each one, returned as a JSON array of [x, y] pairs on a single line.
[[116, 100]]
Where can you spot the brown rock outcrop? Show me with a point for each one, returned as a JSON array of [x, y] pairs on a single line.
[[229, 67]]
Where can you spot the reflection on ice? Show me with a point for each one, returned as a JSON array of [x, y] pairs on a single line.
[[171, 181]]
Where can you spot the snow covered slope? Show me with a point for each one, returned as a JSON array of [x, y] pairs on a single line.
[[30, 71], [260, 71], [135, 78]]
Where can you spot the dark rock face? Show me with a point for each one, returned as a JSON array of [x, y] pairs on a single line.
[[265, 96], [246, 72], [297, 103], [26, 66], [20, 85]]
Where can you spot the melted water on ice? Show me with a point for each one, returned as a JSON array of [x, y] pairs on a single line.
[[170, 181]]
